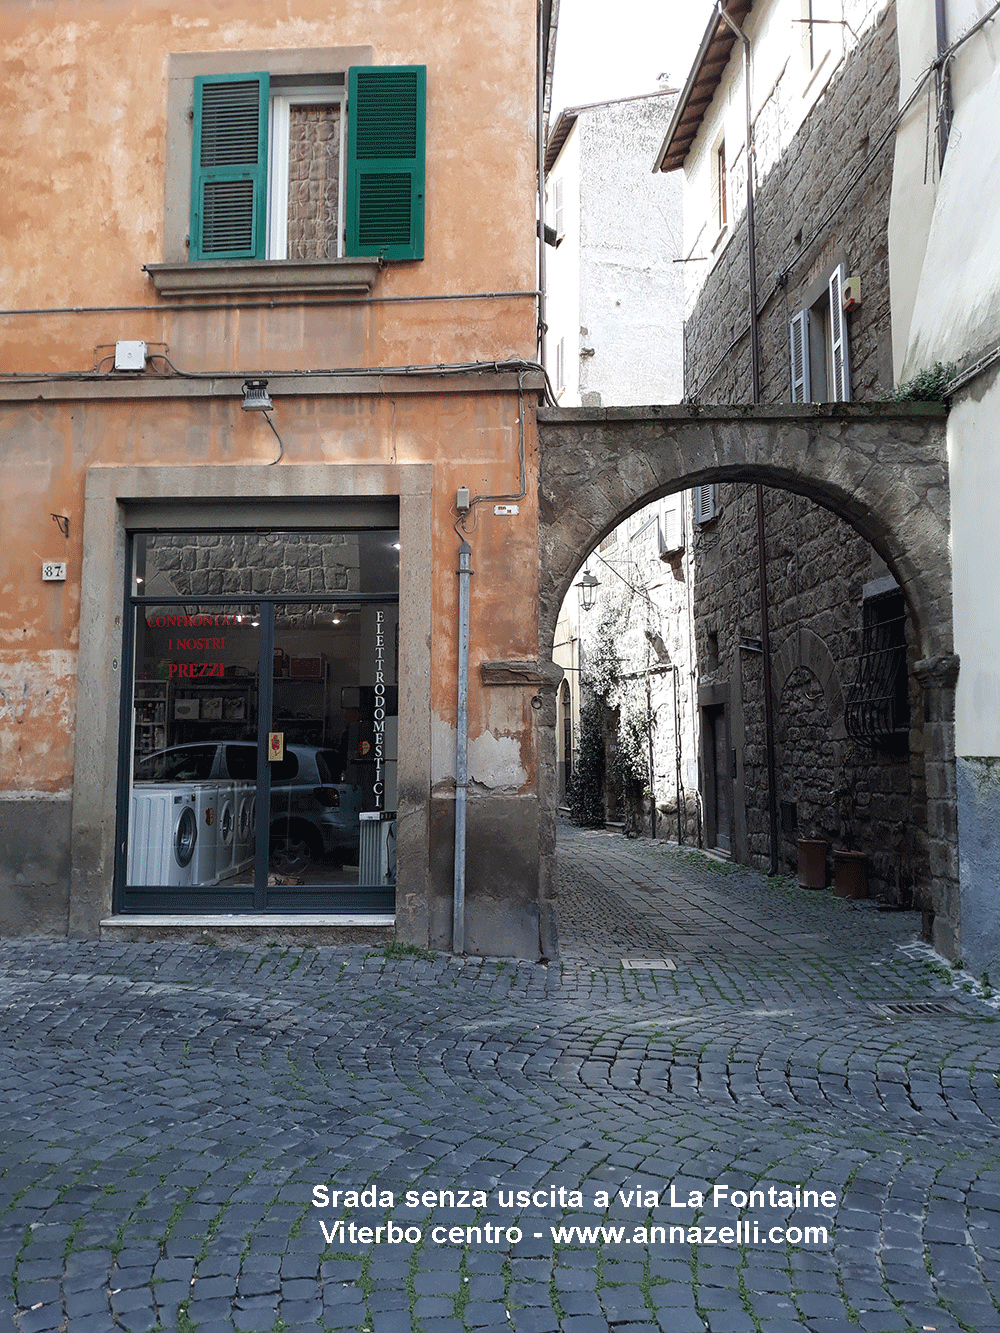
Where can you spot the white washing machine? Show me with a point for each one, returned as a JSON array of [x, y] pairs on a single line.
[[206, 853], [226, 816], [162, 835], [246, 825]]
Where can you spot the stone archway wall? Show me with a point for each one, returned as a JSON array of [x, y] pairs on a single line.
[[881, 467]]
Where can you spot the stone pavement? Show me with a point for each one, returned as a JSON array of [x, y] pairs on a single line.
[[169, 1110]]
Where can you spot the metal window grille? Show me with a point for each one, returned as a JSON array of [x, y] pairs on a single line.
[[877, 711]]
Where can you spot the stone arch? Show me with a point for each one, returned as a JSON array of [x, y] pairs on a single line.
[[806, 649], [882, 467]]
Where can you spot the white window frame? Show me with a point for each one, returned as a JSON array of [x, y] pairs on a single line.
[[279, 123], [822, 45], [672, 525], [558, 208], [721, 186], [645, 544], [838, 359]]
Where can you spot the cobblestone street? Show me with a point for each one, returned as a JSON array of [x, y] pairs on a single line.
[[168, 1110]]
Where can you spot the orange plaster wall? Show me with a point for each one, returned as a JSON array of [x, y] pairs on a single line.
[[83, 104], [45, 450]]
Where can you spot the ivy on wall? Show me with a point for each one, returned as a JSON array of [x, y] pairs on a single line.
[[614, 722]]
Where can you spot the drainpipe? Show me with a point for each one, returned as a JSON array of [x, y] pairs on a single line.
[[540, 137], [652, 766], [678, 784], [751, 240], [461, 750], [765, 635], [765, 643]]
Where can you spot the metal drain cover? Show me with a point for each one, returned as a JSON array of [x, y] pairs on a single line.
[[918, 1008], [648, 964]]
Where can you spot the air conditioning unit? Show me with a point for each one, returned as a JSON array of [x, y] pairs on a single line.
[[377, 857]]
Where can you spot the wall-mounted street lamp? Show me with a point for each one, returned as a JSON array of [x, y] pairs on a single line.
[[257, 399], [588, 586]]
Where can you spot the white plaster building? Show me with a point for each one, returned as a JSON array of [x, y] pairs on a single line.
[[614, 296], [797, 47], [944, 252], [613, 289]]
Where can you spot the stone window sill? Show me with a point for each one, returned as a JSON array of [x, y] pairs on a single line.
[[268, 277]]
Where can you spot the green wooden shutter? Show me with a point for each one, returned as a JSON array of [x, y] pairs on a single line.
[[229, 167], [385, 160]]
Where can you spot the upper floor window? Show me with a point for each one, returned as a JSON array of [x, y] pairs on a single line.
[[821, 25], [558, 209], [270, 178], [819, 351], [721, 187], [705, 502]]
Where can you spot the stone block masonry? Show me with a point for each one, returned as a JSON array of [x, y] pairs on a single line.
[[823, 204]]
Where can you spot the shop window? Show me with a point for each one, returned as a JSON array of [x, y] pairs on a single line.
[[260, 770]]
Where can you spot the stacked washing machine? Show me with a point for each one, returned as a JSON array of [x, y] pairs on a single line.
[[206, 854], [226, 815], [164, 833], [246, 826]]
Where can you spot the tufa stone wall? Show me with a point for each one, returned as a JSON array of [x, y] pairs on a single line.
[[844, 791], [826, 202]]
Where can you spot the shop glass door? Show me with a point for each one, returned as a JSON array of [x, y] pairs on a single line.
[[259, 738]]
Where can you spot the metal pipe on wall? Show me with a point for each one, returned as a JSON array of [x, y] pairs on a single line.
[[540, 146], [461, 749]]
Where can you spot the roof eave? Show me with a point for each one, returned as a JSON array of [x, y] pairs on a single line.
[[705, 76]]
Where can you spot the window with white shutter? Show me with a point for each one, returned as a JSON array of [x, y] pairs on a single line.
[[705, 508], [819, 352], [558, 209], [799, 330], [672, 533], [840, 383]]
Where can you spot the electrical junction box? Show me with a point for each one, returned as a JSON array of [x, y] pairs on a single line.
[[130, 356], [54, 571]]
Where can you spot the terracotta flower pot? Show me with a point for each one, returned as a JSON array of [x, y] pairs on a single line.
[[812, 863], [850, 874]]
